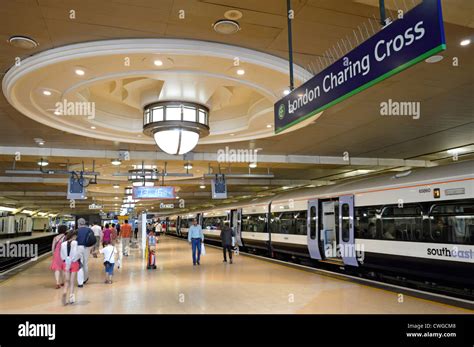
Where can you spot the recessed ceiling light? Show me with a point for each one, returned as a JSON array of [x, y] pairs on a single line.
[[116, 198], [116, 162], [80, 72], [233, 14], [116, 186], [434, 59], [240, 72], [188, 166], [93, 127], [47, 92], [22, 42], [43, 162], [158, 62], [286, 92], [252, 165], [202, 186], [226, 26], [269, 125], [465, 42], [232, 134], [57, 113], [41, 143]]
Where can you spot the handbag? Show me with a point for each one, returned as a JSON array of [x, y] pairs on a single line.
[[203, 249]]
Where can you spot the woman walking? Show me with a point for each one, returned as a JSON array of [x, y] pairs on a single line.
[[71, 265], [57, 262]]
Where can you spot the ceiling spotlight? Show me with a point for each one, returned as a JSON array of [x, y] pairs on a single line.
[[116, 186], [116, 198], [465, 42], [93, 127], [43, 162], [80, 72], [252, 165], [158, 62], [286, 92], [226, 26], [269, 125], [232, 134], [434, 59], [47, 92], [22, 42], [188, 166], [116, 162], [202, 186], [240, 72], [41, 143], [233, 14], [57, 113]]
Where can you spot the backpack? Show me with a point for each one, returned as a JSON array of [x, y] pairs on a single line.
[[90, 239]]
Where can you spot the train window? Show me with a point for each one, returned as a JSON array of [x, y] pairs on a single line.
[[366, 222], [254, 223], [346, 223], [213, 223], [402, 223], [312, 225], [451, 223], [288, 223]]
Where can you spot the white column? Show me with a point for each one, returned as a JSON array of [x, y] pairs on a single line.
[[142, 228]]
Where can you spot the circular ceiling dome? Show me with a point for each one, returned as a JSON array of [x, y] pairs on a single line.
[[100, 88]]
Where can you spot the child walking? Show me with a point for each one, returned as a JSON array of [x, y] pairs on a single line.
[[109, 252]]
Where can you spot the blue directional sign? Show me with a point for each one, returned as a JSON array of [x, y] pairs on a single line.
[[162, 192], [403, 43]]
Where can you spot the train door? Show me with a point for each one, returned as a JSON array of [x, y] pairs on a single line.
[[346, 230], [236, 225], [313, 229], [328, 229]]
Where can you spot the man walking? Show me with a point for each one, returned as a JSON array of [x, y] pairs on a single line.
[[97, 233], [196, 236], [126, 234], [83, 252], [226, 238]]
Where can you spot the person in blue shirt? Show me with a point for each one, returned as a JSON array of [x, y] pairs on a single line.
[[82, 231], [196, 236]]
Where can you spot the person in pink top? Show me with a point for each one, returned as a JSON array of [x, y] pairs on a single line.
[[57, 262], [106, 234]]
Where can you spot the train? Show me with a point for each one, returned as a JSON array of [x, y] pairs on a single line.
[[413, 228]]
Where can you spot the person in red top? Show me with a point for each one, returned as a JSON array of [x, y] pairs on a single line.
[[126, 234]]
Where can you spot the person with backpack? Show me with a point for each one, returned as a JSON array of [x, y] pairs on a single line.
[[70, 257], [85, 240], [57, 262], [109, 252]]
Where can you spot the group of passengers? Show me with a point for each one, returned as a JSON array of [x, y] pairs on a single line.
[[71, 249], [196, 238]]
